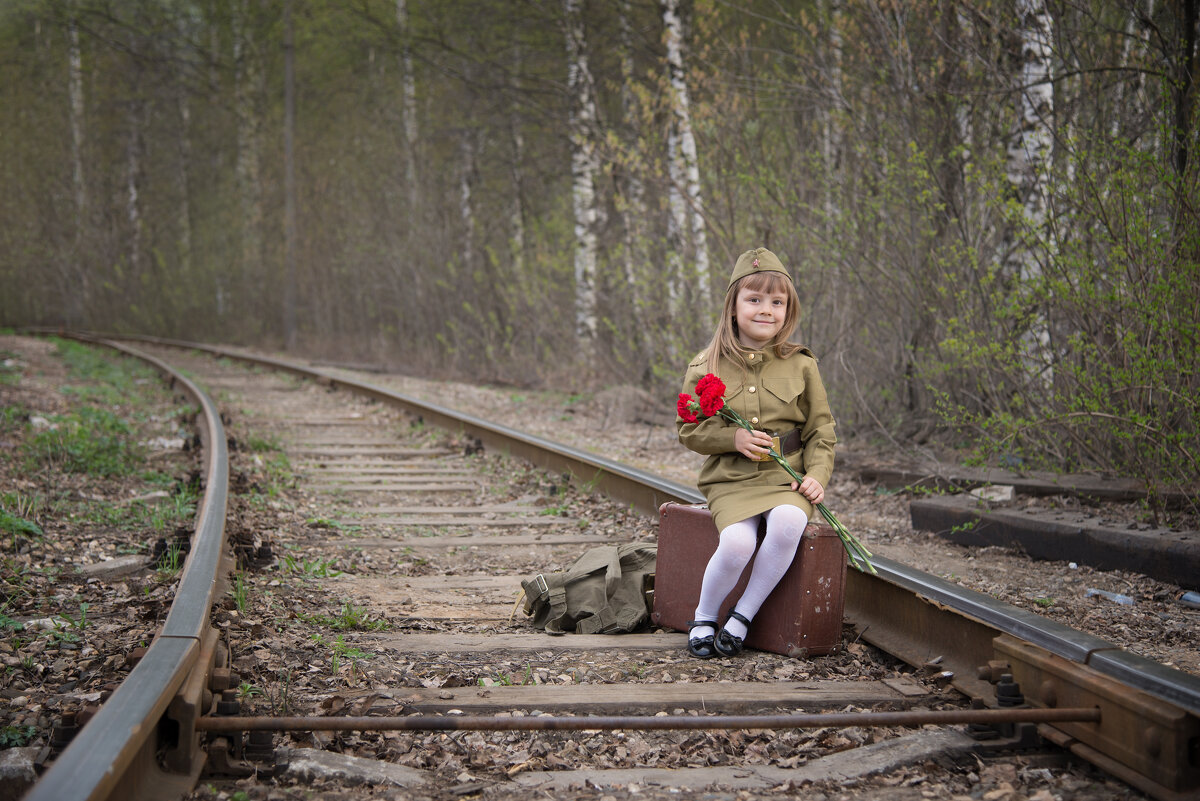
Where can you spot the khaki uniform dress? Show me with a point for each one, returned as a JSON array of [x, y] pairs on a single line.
[[774, 395]]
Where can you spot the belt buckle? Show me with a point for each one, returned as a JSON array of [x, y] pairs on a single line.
[[776, 444]]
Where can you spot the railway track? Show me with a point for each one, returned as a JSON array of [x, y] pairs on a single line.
[[417, 527]]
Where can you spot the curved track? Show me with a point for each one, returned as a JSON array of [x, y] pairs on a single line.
[[1149, 734]]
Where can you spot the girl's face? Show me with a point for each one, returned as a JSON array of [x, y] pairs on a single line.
[[759, 315]]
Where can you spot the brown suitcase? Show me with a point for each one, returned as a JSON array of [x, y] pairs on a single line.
[[801, 617]]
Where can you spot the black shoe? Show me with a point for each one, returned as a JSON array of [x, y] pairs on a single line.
[[701, 647], [725, 643]]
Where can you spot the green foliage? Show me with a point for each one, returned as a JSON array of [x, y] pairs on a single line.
[[14, 525], [76, 623], [1115, 385], [339, 649], [17, 736], [9, 624]]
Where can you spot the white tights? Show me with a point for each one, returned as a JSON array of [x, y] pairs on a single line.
[[785, 526]]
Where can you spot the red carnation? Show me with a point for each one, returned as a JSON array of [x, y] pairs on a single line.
[[684, 407], [711, 403], [710, 385]]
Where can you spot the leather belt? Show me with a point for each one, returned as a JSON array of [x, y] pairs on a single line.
[[790, 442]]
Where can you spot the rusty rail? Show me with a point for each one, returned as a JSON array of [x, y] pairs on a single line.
[[115, 754], [650, 723]]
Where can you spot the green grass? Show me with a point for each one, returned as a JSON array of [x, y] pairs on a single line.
[[160, 515], [313, 568], [258, 444], [90, 440], [171, 562], [108, 380], [240, 594], [9, 374], [15, 525], [349, 618]]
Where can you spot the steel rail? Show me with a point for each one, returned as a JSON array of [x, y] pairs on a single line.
[[984, 717], [114, 755]]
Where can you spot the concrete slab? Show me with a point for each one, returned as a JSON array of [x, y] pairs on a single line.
[[1064, 535], [17, 773], [857, 763], [307, 764], [114, 568]]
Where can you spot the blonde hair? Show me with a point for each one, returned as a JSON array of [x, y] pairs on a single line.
[[725, 339]]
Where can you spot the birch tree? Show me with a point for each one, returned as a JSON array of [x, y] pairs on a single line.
[[134, 152], [1028, 161], [516, 141], [248, 89], [289, 180], [585, 163], [466, 203], [408, 107], [682, 151], [76, 289], [632, 191], [831, 135]]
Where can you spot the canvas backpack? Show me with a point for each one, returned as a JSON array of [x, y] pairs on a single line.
[[602, 592]]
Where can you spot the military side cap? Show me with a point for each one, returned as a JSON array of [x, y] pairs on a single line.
[[757, 261]]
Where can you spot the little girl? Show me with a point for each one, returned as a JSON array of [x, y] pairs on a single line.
[[774, 384]]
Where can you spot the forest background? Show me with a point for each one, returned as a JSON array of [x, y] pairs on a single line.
[[989, 207]]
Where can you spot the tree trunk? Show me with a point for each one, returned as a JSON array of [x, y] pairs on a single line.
[[1028, 160], [76, 290], [185, 189], [289, 180], [676, 223], [517, 147], [466, 209], [831, 134], [248, 86], [688, 162], [1185, 82], [630, 186], [408, 109], [631, 201], [584, 166], [134, 152]]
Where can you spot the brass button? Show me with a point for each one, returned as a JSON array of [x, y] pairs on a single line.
[[754, 420], [751, 389], [752, 356]]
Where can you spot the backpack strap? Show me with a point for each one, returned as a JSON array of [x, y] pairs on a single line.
[[543, 590]]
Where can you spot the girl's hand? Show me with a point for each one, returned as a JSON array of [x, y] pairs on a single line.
[[754, 445], [810, 488]]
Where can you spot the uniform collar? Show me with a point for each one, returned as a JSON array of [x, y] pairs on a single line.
[[756, 357]]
